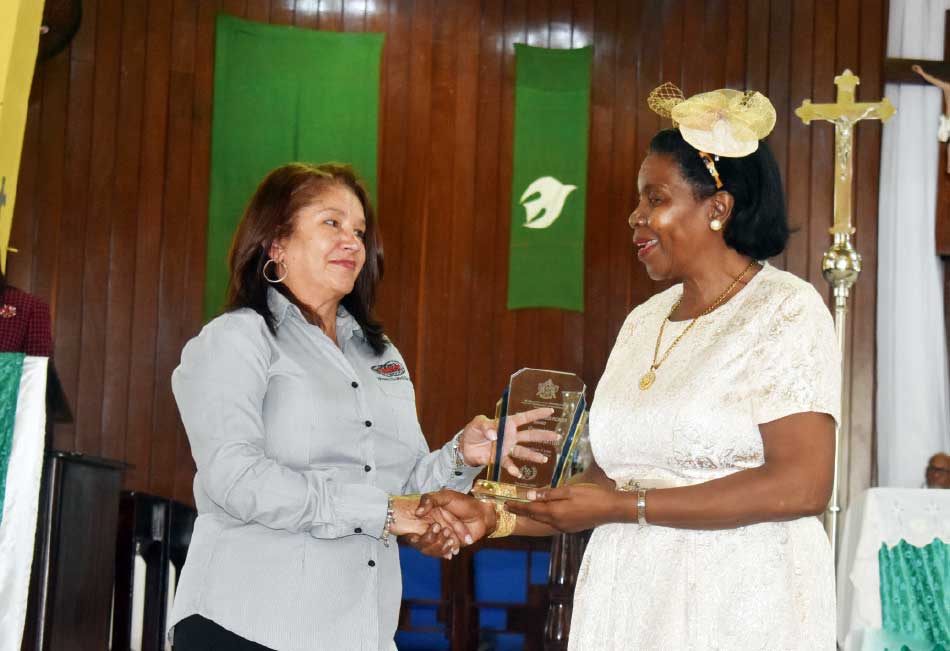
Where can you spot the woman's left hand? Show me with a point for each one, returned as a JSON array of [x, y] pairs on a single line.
[[476, 442], [577, 507]]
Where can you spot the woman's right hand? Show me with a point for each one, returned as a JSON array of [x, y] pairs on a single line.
[[437, 541], [429, 532], [469, 518], [438, 524], [405, 521], [457, 517]]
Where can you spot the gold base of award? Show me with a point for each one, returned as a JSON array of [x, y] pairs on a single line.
[[531, 388]]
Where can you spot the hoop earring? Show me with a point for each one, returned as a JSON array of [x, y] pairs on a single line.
[[715, 225], [274, 281]]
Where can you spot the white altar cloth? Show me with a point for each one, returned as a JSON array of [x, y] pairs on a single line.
[[881, 515]]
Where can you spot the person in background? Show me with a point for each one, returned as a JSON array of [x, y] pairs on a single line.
[[938, 471], [301, 417], [24, 322]]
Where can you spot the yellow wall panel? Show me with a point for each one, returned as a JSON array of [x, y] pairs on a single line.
[[19, 38]]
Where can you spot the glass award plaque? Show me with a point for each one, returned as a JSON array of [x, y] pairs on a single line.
[[531, 388]]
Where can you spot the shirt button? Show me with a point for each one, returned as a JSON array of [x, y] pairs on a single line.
[[358, 530], [372, 563], [367, 467], [368, 423], [354, 384]]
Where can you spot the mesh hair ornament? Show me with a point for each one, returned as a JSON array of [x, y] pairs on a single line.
[[722, 122], [664, 98]]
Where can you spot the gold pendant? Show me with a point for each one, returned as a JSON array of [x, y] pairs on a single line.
[[647, 380]]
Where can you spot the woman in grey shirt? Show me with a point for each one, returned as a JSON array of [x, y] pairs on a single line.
[[302, 422]]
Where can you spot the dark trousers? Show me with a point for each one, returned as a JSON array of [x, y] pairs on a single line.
[[197, 633]]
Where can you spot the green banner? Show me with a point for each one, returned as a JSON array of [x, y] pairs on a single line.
[[549, 185], [284, 94], [11, 368]]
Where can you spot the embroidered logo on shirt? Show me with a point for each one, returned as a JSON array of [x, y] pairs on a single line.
[[391, 370], [8, 311]]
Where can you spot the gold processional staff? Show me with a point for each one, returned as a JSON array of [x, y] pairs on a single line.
[[841, 263]]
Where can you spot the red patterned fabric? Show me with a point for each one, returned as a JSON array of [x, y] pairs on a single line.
[[24, 324]]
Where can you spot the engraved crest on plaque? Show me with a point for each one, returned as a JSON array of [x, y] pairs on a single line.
[[547, 390]]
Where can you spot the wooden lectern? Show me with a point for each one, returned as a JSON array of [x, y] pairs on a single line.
[[70, 597]]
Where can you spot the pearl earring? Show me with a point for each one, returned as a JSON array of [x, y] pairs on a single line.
[[715, 225]]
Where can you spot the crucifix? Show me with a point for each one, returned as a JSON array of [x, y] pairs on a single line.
[[923, 71], [841, 263]]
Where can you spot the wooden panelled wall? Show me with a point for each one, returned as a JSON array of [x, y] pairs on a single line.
[[113, 194]]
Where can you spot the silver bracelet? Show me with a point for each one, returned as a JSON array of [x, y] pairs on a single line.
[[390, 518], [629, 487], [642, 505], [457, 455]]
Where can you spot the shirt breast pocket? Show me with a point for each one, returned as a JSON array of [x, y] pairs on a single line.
[[401, 398]]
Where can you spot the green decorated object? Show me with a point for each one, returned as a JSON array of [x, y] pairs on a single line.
[[11, 369], [549, 184], [284, 94], [915, 595]]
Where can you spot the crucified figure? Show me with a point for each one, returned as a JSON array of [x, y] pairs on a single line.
[[943, 131]]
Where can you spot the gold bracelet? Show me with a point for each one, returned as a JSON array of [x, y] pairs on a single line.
[[505, 524]]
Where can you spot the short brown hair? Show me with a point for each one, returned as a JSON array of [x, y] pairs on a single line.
[[269, 216]]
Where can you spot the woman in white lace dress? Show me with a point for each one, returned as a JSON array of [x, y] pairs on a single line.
[[712, 427], [719, 399]]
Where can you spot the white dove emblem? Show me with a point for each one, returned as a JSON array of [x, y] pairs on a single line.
[[546, 207]]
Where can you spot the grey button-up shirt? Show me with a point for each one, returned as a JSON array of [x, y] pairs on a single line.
[[298, 444]]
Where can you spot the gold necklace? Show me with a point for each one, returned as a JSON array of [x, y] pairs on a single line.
[[650, 376]]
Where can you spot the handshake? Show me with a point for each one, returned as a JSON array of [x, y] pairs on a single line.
[[439, 524]]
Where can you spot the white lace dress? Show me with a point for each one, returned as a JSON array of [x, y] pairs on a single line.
[[767, 353]]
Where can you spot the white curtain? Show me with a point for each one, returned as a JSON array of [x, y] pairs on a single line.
[[913, 410]]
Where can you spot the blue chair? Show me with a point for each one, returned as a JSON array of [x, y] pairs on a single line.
[[491, 599]]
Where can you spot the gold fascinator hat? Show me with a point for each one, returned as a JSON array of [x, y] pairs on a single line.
[[722, 122]]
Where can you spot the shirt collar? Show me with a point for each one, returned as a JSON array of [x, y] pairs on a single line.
[[282, 308], [347, 326]]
